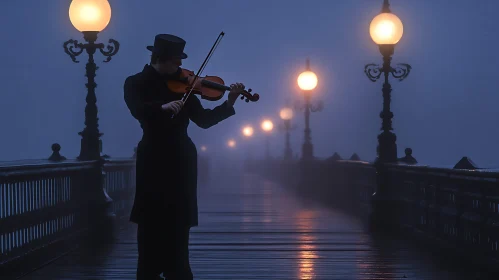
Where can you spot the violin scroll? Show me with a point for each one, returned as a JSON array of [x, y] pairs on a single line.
[[249, 97]]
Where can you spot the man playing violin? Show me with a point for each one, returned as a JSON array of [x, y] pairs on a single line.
[[165, 205]]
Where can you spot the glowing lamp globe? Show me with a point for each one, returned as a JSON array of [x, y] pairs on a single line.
[[307, 80], [386, 29], [203, 148], [231, 143], [286, 114], [267, 125], [247, 131], [90, 15]]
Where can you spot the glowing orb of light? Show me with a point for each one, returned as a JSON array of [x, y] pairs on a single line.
[[307, 80], [386, 29], [267, 125], [231, 143], [286, 114], [90, 15], [248, 131]]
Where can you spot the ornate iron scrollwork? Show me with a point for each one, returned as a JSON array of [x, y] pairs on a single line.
[[69, 48], [300, 106], [372, 71], [112, 49], [317, 107], [402, 71]]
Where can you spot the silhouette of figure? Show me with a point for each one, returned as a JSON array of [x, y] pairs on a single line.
[[408, 158], [165, 205]]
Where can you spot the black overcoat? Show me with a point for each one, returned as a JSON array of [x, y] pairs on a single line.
[[166, 166]]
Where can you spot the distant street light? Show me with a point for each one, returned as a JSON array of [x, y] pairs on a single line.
[[90, 17], [386, 30], [231, 143], [286, 115], [267, 127], [307, 81], [248, 131], [203, 148]]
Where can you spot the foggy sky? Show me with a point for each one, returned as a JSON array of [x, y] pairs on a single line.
[[445, 109]]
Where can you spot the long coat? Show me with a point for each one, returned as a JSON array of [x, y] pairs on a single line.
[[166, 166]]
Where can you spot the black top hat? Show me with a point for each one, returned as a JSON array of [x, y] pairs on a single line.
[[168, 45]]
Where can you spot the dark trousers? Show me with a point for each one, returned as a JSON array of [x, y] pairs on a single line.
[[163, 249]]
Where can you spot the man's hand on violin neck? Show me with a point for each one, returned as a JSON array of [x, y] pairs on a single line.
[[235, 90], [173, 107]]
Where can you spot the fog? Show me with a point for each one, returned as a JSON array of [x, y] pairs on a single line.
[[444, 110]]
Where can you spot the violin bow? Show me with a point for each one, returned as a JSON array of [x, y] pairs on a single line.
[[201, 69]]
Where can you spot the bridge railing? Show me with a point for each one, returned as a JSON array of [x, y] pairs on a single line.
[[454, 207], [47, 207]]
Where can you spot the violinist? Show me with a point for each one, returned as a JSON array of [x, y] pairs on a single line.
[[165, 205]]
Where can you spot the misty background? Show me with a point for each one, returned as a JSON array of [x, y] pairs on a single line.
[[445, 109]]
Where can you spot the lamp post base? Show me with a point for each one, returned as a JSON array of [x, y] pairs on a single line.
[[307, 151], [90, 146], [384, 214], [288, 154], [385, 205], [387, 147], [385, 209], [102, 218]]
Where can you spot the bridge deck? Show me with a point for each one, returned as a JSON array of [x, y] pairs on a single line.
[[254, 229]]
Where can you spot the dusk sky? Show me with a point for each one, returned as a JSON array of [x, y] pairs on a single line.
[[444, 110]]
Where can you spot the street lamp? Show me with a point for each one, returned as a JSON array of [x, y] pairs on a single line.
[[203, 165], [307, 81], [231, 143], [286, 115], [90, 17], [386, 30], [248, 131], [267, 127]]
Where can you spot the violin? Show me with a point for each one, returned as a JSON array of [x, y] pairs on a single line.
[[211, 88]]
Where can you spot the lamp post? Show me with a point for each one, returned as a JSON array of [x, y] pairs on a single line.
[[248, 133], [286, 115], [267, 127], [386, 30], [90, 17], [307, 81], [203, 165]]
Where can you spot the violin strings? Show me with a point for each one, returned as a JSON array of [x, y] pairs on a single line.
[[201, 69]]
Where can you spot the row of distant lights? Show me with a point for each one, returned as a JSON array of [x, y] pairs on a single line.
[[247, 131], [307, 81]]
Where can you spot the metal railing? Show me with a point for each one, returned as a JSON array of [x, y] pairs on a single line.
[[47, 207]]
